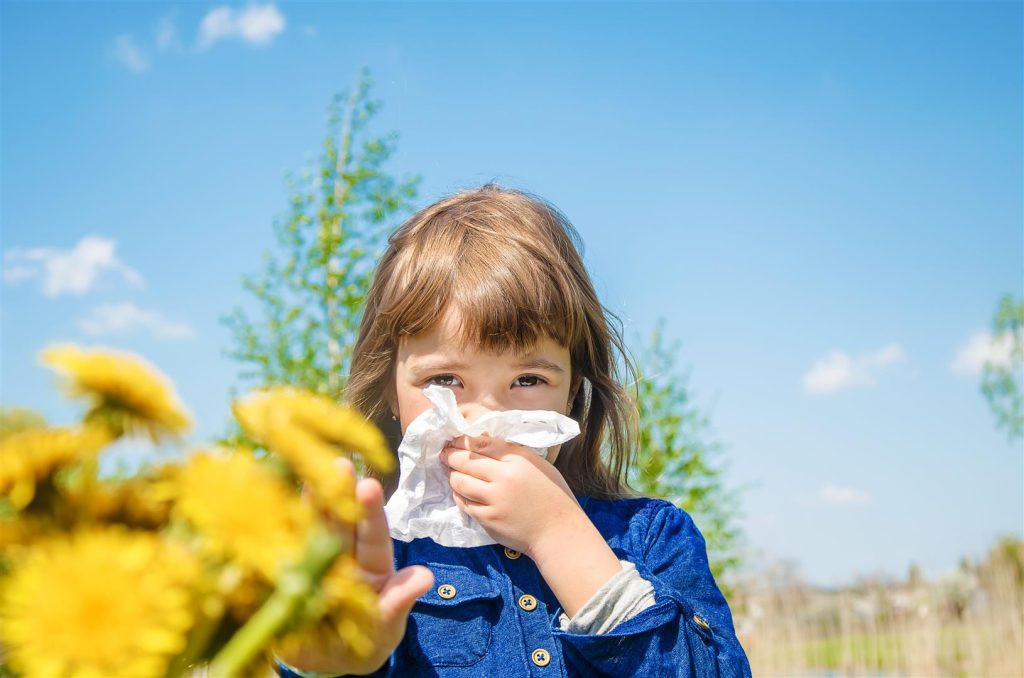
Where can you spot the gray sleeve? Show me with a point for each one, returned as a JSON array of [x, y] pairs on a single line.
[[622, 597]]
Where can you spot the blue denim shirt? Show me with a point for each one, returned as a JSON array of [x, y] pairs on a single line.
[[482, 630]]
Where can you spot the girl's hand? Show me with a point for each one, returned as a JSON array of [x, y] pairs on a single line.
[[398, 591], [520, 498]]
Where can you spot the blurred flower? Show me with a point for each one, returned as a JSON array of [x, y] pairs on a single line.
[[242, 591], [345, 610], [15, 419], [139, 501], [102, 602], [33, 454], [126, 392], [352, 605], [243, 511], [330, 422], [307, 430], [15, 533]]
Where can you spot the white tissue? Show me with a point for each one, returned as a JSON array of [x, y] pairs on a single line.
[[423, 505]]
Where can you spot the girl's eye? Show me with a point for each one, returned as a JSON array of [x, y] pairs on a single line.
[[443, 380], [530, 380]]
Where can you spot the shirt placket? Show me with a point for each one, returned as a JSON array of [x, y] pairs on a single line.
[[543, 656]]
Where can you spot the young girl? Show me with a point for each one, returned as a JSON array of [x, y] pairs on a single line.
[[485, 293]]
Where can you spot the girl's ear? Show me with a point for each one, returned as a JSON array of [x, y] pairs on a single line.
[[391, 395], [577, 381]]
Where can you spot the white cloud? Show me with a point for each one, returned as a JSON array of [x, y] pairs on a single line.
[[980, 349], [14, 273], [129, 54], [167, 35], [73, 271], [127, 317], [834, 494], [256, 24], [309, 30], [839, 370]]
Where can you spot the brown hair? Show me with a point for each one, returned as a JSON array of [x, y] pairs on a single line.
[[510, 263]]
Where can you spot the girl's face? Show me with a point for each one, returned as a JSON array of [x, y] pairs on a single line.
[[539, 379]]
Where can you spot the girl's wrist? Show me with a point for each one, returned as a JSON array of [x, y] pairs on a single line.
[[559, 556], [552, 542]]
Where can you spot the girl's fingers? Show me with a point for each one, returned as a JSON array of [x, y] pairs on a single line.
[[373, 540], [491, 447], [473, 489], [472, 463], [398, 596]]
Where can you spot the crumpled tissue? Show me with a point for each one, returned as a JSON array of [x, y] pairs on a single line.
[[423, 505]]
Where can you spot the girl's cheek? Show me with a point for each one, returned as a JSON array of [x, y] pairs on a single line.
[[411, 407]]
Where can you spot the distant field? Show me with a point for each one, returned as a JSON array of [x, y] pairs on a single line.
[[971, 624]]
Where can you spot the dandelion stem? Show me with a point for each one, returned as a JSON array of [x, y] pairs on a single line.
[[279, 608], [212, 614]]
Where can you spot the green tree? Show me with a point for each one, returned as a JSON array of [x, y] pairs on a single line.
[[310, 294], [1002, 382], [677, 457]]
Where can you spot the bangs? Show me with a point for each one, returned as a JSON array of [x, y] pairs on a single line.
[[506, 275]]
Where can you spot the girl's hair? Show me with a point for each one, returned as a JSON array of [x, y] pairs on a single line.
[[510, 264]]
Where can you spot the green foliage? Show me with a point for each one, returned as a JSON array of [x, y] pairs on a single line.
[[311, 291], [1003, 383], [677, 457]]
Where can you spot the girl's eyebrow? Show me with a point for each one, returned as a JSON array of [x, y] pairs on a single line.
[[437, 366], [540, 364], [536, 363]]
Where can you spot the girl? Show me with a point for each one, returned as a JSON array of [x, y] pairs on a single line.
[[485, 292]]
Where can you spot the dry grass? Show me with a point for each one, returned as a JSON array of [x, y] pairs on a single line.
[[968, 624]]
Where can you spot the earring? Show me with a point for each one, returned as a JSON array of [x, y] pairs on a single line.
[[394, 418]]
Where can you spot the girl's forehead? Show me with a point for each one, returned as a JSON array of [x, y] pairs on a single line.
[[456, 346], [450, 334]]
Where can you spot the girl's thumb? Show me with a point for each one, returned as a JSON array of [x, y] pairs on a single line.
[[401, 591]]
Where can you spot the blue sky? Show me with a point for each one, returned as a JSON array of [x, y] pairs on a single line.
[[823, 200]]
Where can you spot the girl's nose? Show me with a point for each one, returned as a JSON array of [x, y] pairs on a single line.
[[471, 411]]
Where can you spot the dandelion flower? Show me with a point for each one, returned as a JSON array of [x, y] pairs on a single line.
[[306, 430], [320, 416], [139, 501], [345, 612], [101, 602], [29, 456], [244, 512], [15, 419], [126, 392], [353, 605]]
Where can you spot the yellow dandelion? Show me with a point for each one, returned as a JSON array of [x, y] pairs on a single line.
[[100, 602], [243, 592], [321, 417], [345, 612], [137, 501], [29, 456], [15, 533], [352, 605], [306, 430], [126, 392], [15, 419], [244, 512]]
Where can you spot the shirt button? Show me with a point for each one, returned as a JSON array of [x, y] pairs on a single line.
[[701, 622], [527, 602], [541, 657], [511, 554], [446, 591]]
